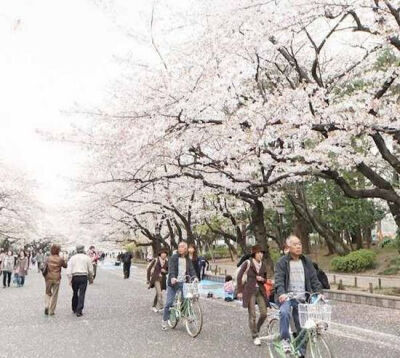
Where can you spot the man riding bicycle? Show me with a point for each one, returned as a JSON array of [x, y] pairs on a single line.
[[180, 270], [294, 273]]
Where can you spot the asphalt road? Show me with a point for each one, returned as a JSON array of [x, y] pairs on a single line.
[[118, 322]]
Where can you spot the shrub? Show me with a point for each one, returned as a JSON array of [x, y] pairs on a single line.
[[275, 255], [356, 261]]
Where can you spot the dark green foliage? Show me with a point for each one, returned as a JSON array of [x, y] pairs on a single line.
[[356, 261]]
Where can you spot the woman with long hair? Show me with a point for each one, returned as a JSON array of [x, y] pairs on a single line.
[[194, 258], [21, 268]]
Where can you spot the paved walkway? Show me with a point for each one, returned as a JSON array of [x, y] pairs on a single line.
[[117, 322]]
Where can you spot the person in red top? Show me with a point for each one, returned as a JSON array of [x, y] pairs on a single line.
[[92, 253]]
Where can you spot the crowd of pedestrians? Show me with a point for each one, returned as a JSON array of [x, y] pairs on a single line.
[[294, 273]]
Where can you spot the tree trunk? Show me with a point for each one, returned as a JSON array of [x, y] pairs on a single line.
[[357, 238], [232, 249], [367, 235], [302, 231], [260, 232], [333, 240], [241, 238]]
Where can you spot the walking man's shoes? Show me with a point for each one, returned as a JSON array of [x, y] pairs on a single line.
[[46, 311], [79, 314]]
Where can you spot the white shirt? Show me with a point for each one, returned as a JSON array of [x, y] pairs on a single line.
[[80, 264]]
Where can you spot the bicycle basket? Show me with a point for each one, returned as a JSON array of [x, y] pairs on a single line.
[[316, 313], [191, 290]]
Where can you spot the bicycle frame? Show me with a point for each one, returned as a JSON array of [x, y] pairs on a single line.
[[183, 308]]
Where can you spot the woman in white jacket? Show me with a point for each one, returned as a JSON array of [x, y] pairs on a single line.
[[7, 266]]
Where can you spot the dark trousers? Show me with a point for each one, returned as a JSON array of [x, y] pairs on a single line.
[[79, 285], [6, 278], [202, 272], [127, 269]]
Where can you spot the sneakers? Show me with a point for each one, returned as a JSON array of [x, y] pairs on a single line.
[[286, 346], [257, 341], [164, 325], [155, 310]]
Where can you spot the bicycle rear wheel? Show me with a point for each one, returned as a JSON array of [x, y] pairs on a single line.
[[194, 319], [317, 347]]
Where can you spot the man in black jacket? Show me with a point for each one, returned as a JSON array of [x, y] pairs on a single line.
[[180, 269], [293, 273], [127, 259]]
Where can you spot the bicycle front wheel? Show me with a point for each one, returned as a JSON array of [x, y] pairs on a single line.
[[194, 319], [317, 347], [273, 327], [173, 317]]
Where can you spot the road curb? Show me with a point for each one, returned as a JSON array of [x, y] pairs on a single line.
[[364, 298]]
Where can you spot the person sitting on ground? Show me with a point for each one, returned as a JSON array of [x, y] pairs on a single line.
[[294, 273], [253, 291], [323, 279], [229, 288]]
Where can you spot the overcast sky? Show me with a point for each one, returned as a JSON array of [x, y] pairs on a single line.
[[55, 54]]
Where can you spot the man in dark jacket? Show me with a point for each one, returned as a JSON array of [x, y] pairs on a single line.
[[204, 265], [293, 273], [180, 269], [127, 259]]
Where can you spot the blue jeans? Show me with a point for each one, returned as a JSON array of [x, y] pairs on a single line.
[[171, 293], [285, 315]]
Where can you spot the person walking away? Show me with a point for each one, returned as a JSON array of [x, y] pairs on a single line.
[[194, 258], [294, 273], [156, 278], [21, 268], [52, 279], [127, 260], [252, 290], [229, 288], [180, 268], [95, 258], [204, 265], [79, 272], [7, 266], [39, 260]]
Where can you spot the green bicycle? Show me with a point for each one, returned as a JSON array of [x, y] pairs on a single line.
[[314, 320], [187, 307]]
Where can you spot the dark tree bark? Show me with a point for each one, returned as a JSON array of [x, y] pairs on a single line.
[[260, 232]]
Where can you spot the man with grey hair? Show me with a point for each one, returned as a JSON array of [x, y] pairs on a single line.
[[79, 271], [294, 273]]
